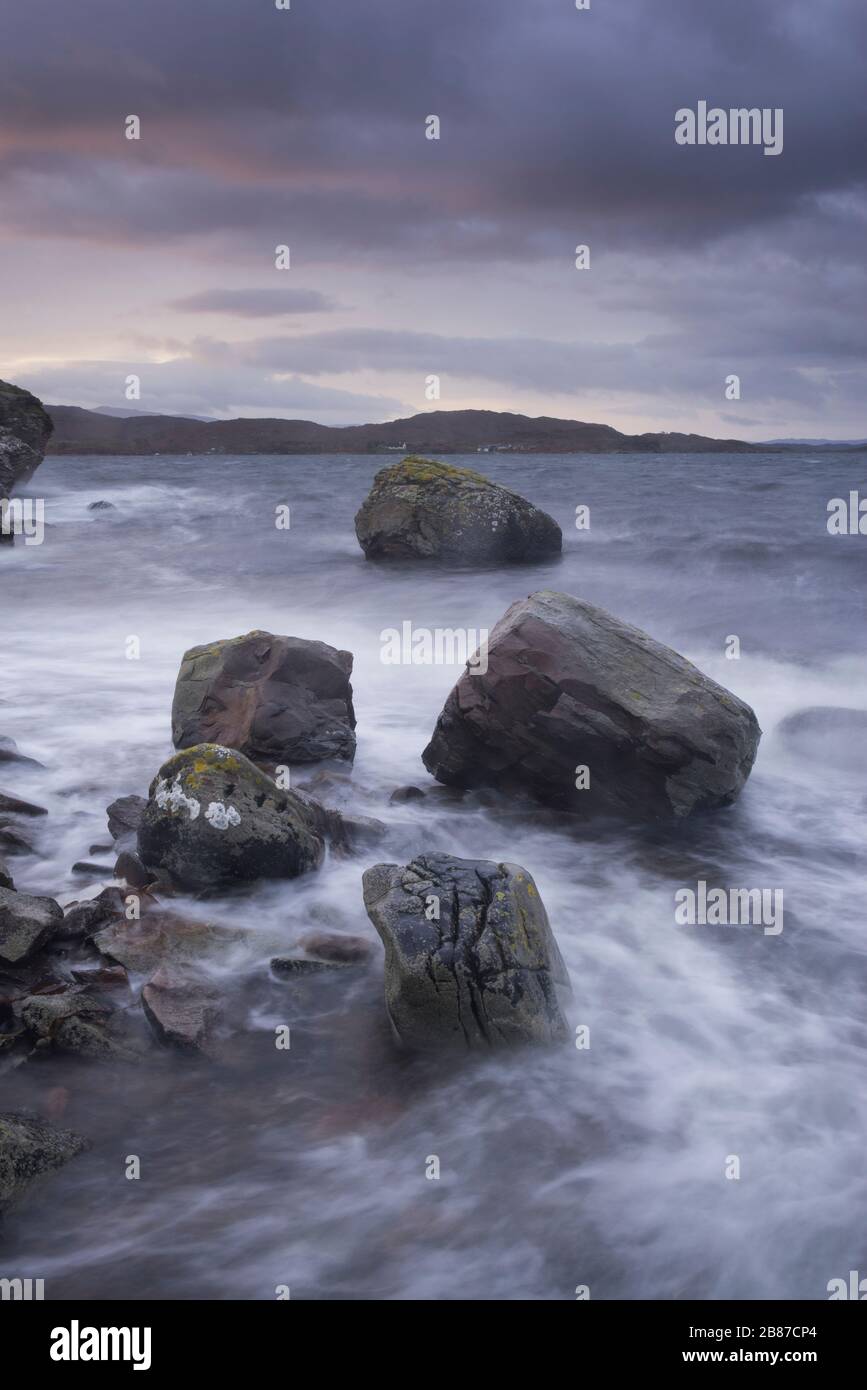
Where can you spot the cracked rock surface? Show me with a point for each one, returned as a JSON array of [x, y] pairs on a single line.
[[484, 973], [569, 685]]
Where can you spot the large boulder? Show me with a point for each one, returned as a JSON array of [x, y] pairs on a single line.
[[470, 958], [24, 430], [30, 1148], [419, 509], [25, 427], [26, 925], [570, 687], [213, 818], [275, 699]]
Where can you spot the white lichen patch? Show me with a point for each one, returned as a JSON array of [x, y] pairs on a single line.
[[174, 798], [221, 817]]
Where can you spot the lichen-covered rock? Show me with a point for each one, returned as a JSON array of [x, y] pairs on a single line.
[[420, 509], [589, 714], [26, 924], [275, 699], [77, 1023], [213, 818], [29, 1149], [470, 958], [25, 427]]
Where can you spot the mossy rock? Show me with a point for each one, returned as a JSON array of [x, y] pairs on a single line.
[[213, 818], [423, 509]]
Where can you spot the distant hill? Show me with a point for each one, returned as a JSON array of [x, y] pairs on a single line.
[[78, 431]]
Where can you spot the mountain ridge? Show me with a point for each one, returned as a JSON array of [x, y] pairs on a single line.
[[80, 431]]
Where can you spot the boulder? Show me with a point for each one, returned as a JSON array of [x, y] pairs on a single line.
[[274, 699], [30, 1148], [420, 509], [568, 686], [213, 818], [5, 875], [81, 920], [26, 924], [124, 816], [25, 427], [182, 1012], [482, 973]]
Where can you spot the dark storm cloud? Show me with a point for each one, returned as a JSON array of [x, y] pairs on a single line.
[[307, 126], [554, 121]]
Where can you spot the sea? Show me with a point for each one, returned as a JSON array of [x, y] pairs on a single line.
[[704, 1135]]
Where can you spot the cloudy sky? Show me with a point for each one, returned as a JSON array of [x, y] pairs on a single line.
[[412, 257]]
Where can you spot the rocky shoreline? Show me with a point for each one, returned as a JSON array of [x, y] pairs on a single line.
[[575, 710]]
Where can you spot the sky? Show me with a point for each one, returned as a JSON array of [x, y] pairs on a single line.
[[412, 258]]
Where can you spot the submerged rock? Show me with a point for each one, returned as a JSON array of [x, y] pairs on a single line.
[[470, 958], [161, 938], [16, 806], [26, 924], [833, 735], [570, 687], [9, 754], [213, 818], [29, 1149], [182, 1012], [420, 509], [339, 947], [75, 1022], [274, 699], [12, 841], [402, 794]]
